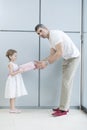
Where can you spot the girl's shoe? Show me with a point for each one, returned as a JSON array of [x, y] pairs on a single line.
[[15, 111]]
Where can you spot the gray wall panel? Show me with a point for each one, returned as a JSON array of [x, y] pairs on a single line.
[[19, 14], [22, 16], [63, 14], [84, 101], [75, 101], [50, 79], [85, 16], [27, 47]]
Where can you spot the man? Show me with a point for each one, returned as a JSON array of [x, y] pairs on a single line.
[[61, 45]]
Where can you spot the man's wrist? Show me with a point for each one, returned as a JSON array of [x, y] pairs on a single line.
[[46, 62]]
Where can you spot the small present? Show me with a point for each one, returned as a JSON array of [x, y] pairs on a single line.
[[27, 66]]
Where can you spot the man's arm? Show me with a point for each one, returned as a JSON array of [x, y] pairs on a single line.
[[55, 54], [52, 52]]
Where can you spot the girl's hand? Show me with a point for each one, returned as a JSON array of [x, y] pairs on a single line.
[[21, 70]]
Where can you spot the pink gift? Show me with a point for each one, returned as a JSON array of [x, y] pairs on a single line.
[[27, 66]]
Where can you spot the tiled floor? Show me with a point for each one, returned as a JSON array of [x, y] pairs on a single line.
[[41, 119]]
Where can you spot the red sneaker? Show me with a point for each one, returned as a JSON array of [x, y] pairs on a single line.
[[61, 113], [58, 110], [55, 109]]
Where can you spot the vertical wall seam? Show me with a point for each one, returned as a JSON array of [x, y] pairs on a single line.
[[81, 41], [39, 56]]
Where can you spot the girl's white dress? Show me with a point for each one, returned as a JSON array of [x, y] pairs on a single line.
[[14, 85]]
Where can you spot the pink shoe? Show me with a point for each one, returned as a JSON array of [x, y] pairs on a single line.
[[15, 111]]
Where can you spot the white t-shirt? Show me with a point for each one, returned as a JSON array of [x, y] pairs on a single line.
[[68, 47]]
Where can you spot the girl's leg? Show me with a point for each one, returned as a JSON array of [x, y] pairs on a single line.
[[12, 103], [12, 106]]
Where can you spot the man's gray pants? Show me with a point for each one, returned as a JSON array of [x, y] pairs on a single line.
[[69, 69]]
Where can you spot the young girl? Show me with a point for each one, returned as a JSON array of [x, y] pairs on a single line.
[[14, 85]]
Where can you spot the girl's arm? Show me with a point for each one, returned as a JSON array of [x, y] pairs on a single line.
[[11, 72]]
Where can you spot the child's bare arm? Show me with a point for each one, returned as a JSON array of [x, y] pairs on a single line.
[[11, 72]]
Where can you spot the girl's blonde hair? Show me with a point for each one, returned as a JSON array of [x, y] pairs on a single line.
[[10, 52]]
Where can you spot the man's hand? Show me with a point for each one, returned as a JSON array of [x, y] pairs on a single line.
[[40, 64]]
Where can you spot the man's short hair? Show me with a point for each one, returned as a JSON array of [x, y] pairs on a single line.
[[39, 26]]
